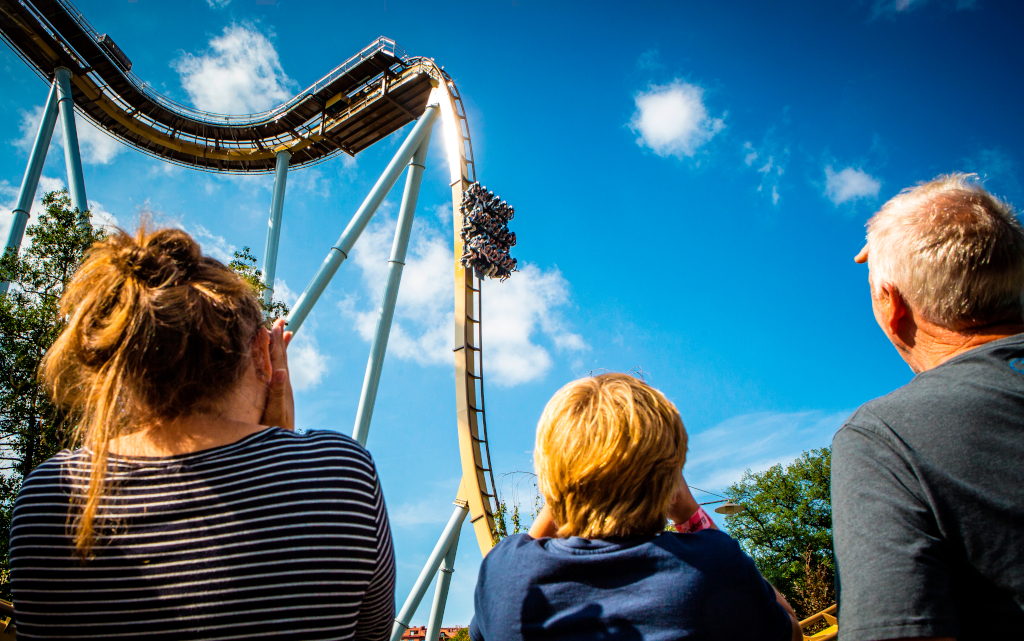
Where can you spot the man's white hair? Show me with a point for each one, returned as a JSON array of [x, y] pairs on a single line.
[[953, 251]]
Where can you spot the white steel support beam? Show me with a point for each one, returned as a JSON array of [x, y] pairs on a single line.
[[274, 225], [358, 223], [386, 312], [451, 533]]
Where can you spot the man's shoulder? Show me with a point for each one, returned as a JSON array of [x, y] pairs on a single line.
[[985, 376]]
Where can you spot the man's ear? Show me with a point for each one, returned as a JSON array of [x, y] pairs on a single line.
[[261, 354], [893, 308]]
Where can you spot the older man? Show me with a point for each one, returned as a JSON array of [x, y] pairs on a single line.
[[928, 481]]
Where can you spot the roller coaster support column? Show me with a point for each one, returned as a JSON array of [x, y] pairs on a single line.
[[274, 226], [387, 300], [31, 180], [444, 579], [72, 157], [358, 223], [448, 537]]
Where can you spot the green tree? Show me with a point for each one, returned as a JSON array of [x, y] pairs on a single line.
[[505, 519], [787, 528], [31, 427], [461, 635], [244, 265]]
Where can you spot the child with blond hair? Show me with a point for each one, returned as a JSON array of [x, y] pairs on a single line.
[[597, 564]]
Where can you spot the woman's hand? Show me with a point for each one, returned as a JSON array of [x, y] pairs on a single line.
[[280, 410], [544, 526], [683, 505]]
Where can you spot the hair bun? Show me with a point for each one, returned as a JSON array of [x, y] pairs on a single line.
[[149, 267], [166, 257], [178, 247]]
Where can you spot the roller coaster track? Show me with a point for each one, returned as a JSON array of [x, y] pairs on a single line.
[[360, 102]]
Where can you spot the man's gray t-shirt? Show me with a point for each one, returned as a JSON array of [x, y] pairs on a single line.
[[928, 504]]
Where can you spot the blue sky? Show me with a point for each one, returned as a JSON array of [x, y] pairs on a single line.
[[691, 183]]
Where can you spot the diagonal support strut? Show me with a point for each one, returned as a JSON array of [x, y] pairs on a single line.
[[444, 544], [339, 252], [386, 313], [72, 155], [31, 180], [444, 580], [274, 225]]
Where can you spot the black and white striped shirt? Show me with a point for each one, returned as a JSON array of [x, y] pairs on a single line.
[[278, 534]]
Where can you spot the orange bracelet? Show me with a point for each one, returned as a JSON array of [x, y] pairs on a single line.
[[699, 521]]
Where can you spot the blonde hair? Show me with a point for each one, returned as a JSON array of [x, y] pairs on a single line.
[[954, 251], [609, 452], [155, 330]]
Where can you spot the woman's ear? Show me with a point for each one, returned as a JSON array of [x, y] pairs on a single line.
[[261, 355]]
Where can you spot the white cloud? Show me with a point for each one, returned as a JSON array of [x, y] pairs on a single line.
[[240, 74], [102, 217], [718, 456], [512, 312], [850, 184], [214, 245], [892, 7], [310, 181], [46, 185], [9, 198], [515, 313], [96, 147], [434, 510], [673, 120], [306, 363], [649, 60], [218, 4], [769, 161], [750, 153], [897, 5]]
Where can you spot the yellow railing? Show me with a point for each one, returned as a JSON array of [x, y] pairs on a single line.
[[826, 616]]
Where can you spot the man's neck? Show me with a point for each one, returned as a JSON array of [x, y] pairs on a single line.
[[934, 345]]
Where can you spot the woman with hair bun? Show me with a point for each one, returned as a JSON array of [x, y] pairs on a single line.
[[192, 509]]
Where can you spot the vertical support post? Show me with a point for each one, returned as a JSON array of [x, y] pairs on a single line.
[[386, 313], [72, 156], [30, 182], [444, 580], [358, 223], [451, 532], [274, 225]]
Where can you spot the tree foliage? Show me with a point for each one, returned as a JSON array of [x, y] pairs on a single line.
[[787, 528], [510, 521], [244, 264], [31, 427]]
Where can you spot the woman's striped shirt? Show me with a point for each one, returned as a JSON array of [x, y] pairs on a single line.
[[278, 534]]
